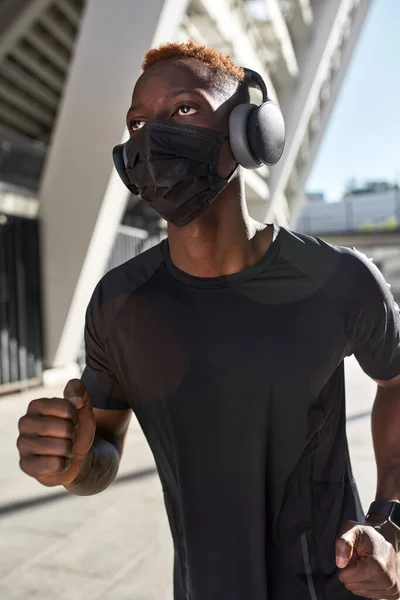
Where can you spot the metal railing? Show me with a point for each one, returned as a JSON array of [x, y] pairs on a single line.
[[21, 348], [130, 242]]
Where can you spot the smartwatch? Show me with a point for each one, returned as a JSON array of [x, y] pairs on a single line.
[[390, 510]]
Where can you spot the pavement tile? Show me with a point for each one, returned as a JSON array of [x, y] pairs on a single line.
[[18, 546], [48, 584], [108, 540]]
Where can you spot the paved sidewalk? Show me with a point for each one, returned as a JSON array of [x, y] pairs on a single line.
[[114, 546]]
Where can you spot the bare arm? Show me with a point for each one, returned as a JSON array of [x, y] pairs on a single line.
[[101, 464], [386, 438]]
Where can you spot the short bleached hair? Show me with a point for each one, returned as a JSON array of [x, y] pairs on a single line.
[[217, 61]]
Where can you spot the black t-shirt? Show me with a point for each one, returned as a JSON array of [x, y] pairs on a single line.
[[238, 385]]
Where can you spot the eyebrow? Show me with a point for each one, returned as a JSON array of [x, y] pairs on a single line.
[[172, 95]]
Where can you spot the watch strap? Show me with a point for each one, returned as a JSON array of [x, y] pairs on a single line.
[[381, 507]]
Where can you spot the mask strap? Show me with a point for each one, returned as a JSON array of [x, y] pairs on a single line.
[[231, 176]]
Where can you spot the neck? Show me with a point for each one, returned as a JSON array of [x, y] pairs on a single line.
[[223, 240]]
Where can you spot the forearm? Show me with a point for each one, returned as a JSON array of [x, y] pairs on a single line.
[[386, 438], [98, 470]]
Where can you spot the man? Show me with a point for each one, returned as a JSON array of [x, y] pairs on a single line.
[[227, 341]]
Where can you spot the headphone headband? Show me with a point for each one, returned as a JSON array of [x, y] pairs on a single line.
[[254, 79]]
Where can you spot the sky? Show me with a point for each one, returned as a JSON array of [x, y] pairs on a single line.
[[362, 139]]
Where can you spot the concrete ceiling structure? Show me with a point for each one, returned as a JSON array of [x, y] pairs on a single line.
[[37, 40]]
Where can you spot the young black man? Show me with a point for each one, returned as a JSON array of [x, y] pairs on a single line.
[[227, 341]]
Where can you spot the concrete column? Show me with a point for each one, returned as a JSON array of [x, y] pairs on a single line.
[[337, 78], [82, 199], [298, 103]]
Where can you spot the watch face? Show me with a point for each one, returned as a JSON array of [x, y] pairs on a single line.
[[395, 514]]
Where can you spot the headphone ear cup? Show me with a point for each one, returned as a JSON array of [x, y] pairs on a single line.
[[120, 166], [266, 133], [238, 136]]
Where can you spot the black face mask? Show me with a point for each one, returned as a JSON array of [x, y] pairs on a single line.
[[174, 168]]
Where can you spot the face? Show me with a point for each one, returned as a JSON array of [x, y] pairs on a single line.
[[185, 92]]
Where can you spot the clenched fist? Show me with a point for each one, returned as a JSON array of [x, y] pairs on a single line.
[[56, 434], [369, 565]]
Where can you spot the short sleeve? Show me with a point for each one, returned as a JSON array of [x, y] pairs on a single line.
[[98, 376], [374, 321]]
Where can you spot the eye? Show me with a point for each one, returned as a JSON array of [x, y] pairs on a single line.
[[185, 110], [136, 124]]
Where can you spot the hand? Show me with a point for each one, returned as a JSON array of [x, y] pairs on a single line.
[[56, 434], [369, 564]]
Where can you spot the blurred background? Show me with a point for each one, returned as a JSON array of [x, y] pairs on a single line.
[[67, 69]]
